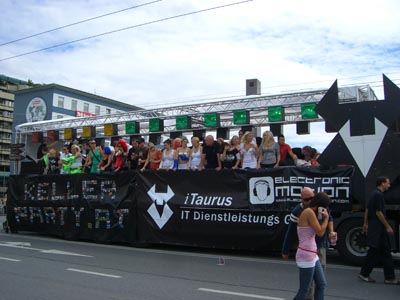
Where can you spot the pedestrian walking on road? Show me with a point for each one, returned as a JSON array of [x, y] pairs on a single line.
[[379, 233], [322, 242], [307, 260]]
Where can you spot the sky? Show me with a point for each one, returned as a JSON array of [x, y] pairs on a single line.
[[165, 60]]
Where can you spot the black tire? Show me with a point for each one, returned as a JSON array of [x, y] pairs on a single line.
[[352, 241]]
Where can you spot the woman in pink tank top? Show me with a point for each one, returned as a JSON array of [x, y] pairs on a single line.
[[306, 256]]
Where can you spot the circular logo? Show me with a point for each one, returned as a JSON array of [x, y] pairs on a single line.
[[36, 110]]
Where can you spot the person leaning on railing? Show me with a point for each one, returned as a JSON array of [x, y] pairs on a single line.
[[210, 158], [44, 158], [75, 161]]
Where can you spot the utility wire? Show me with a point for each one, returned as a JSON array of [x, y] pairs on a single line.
[[126, 28], [218, 96], [202, 98], [76, 23]]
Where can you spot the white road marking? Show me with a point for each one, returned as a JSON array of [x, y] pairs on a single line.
[[240, 294], [9, 259], [24, 244], [48, 251], [54, 251], [93, 273], [263, 260], [12, 245]]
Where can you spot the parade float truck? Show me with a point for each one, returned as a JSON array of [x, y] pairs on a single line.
[[369, 139], [227, 209]]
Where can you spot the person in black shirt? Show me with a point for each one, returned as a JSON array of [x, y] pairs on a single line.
[[379, 233], [54, 164], [210, 158], [230, 156], [132, 155], [39, 153], [43, 145], [141, 153]]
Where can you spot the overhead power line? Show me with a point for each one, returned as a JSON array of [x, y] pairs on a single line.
[[76, 23], [126, 28], [306, 86]]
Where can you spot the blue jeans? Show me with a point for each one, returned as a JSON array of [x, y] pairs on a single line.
[[306, 276]]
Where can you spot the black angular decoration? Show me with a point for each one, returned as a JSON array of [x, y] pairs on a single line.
[[391, 90], [359, 123], [361, 114], [330, 109], [390, 112], [303, 127], [346, 147], [276, 129], [396, 126], [329, 128]]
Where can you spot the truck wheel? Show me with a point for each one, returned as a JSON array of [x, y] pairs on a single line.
[[352, 241]]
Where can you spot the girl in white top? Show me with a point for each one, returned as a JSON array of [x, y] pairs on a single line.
[[182, 155], [195, 154], [168, 156], [65, 154], [248, 151]]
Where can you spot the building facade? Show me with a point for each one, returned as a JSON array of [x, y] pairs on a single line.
[[53, 101], [8, 86]]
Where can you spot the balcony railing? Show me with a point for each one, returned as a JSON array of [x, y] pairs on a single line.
[[6, 107]]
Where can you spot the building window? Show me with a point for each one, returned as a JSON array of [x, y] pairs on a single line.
[[108, 111], [60, 116], [60, 102], [86, 107], [97, 110], [74, 105]]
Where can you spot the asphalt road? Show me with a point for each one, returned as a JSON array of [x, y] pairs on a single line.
[[44, 268]]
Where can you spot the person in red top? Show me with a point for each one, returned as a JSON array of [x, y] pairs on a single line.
[[153, 158], [121, 153], [285, 149]]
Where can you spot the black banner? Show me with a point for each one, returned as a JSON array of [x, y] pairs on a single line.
[[241, 209], [225, 209], [80, 206]]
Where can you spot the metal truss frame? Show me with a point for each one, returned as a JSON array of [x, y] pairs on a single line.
[[256, 105]]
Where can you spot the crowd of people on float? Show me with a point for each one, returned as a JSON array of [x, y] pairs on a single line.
[[242, 151]]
